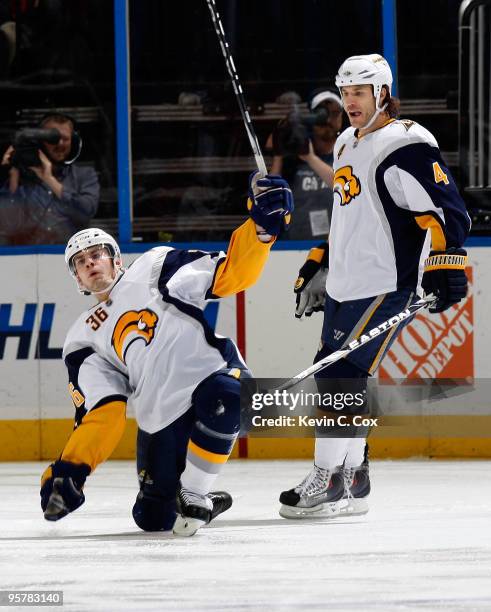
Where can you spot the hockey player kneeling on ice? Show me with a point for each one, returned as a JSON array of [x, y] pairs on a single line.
[[398, 226], [147, 338]]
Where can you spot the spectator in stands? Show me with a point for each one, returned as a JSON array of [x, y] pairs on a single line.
[[47, 202], [8, 38], [302, 154]]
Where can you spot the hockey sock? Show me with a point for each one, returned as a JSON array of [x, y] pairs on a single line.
[[205, 458], [356, 452], [217, 409], [197, 479], [330, 452]]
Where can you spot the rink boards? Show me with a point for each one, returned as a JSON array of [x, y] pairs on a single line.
[[39, 301]]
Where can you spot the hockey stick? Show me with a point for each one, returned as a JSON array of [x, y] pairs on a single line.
[[361, 341], [229, 62]]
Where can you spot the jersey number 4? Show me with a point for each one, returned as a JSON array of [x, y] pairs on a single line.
[[440, 176]]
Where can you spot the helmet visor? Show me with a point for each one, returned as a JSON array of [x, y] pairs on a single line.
[[94, 254]]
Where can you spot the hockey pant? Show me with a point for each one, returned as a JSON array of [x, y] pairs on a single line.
[[200, 439]]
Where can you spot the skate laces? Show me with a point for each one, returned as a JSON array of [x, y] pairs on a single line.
[[348, 476], [316, 481], [190, 498]]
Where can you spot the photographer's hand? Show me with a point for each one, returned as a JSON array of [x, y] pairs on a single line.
[[14, 174], [45, 174], [276, 165], [7, 155], [310, 155], [323, 170]]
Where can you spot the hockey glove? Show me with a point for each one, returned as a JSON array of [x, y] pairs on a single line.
[[270, 202], [310, 286], [444, 276], [61, 488]]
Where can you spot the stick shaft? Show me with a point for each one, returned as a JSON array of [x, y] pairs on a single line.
[[239, 94], [364, 339]]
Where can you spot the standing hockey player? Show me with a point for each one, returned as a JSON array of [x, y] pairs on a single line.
[[396, 207], [147, 338]]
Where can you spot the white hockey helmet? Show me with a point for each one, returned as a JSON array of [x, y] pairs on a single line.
[[372, 69], [86, 239]]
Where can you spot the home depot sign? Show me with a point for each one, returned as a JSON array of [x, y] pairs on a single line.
[[434, 345]]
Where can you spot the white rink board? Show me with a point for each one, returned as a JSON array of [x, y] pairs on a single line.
[[277, 344]]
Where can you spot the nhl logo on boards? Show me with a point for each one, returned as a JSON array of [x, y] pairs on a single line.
[[437, 345]]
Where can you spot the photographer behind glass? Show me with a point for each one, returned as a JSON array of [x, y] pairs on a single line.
[[302, 154], [47, 197]]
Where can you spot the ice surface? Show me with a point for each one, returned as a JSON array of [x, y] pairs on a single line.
[[425, 544]]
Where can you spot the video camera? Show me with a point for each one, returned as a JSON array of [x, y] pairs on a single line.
[[27, 143], [291, 136]]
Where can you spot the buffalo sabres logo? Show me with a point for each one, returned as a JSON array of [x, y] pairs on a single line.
[[132, 326], [299, 282], [407, 123], [346, 185]]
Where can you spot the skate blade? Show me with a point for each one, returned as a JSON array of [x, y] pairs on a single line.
[[329, 510], [355, 507], [186, 526]]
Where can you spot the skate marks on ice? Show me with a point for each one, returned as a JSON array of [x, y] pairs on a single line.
[[425, 545], [229, 525], [98, 537]]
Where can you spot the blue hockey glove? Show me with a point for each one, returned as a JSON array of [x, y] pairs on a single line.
[[310, 286], [61, 488], [444, 276], [270, 202]]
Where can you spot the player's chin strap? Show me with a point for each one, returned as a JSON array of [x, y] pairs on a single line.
[[84, 291], [378, 111]]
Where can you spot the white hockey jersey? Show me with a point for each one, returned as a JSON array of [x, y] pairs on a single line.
[[392, 192], [151, 340]]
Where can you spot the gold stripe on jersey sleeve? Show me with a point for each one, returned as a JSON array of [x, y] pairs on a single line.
[[438, 240], [97, 435], [47, 474], [206, 455], [244, 263], [316, 254]]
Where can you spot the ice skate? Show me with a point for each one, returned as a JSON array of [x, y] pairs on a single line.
[[195, 510], [318, 495], [356, 490]]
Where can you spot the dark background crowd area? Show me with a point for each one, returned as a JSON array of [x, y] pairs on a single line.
[[191, 156]]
